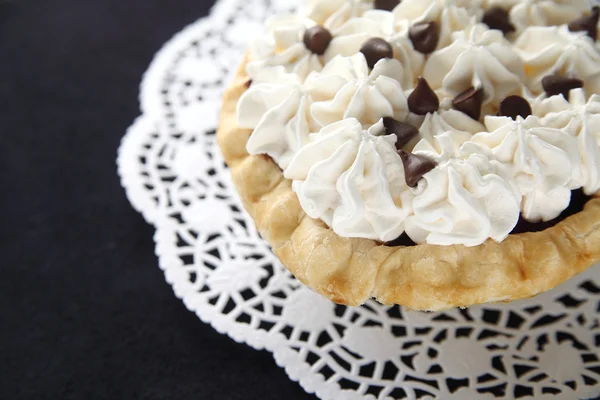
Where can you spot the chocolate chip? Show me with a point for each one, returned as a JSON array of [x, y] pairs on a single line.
[[423, 99], [376, 49], [386, 5], [248, 83], [556, 84], [404, 132], [587, 23], [498, 18], [317, 39], [514, 106], [424, 36], [415, 166], [469, 102]]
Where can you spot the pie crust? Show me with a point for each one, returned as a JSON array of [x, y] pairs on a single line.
[[423, 277]]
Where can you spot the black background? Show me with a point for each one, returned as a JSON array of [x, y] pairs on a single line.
[[85, 312]]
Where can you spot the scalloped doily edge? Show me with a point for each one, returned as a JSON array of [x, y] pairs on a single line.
[[126, 166]]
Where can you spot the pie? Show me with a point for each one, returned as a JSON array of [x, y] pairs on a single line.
[[432, 154]]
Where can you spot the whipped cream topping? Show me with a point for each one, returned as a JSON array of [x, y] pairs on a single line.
[[580, 118], [526, 13], [353, 33], [360, 93], [334, 13], [282, 51], [450, 15], [543, 163], [479, 58], [284, 123], [377, 23], [556, 50], [353, 180], [443, 133], [282, 115], [319, 116], [457, 203]]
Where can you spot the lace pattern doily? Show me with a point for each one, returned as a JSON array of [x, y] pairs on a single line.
[[173, 173]]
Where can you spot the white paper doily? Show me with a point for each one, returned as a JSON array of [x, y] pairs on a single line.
[[169, 163]]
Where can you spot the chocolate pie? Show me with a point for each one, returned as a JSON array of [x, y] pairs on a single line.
[[428, 153]]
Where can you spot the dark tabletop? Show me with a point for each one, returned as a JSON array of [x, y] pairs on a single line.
[[85, 312]]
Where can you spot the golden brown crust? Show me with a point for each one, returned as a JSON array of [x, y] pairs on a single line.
[[423, 277]]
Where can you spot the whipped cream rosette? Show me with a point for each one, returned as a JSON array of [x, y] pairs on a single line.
[[461, 201], [413, 62], [334, 13], [526, 13], [279, 115], [283, 114], [441, 147], [282, 51], [542, 163], [287, 46], [542, 105], [555, 50], [442, 134], [456, 203], [349, 37], [581, 118], [478, 58], [353, 180], [381, 24], [449, 119], [448, 15], [358, 92]]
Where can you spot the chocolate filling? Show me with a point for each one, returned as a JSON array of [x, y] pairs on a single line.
[[578, 201], [403, 240]]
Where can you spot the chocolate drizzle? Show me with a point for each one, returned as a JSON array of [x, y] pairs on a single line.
[[469, 102], [556, 84], [415, 166], [376, 49], [425, 36], [317, 39], [587, 23], [403, 131], [423, 99]]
